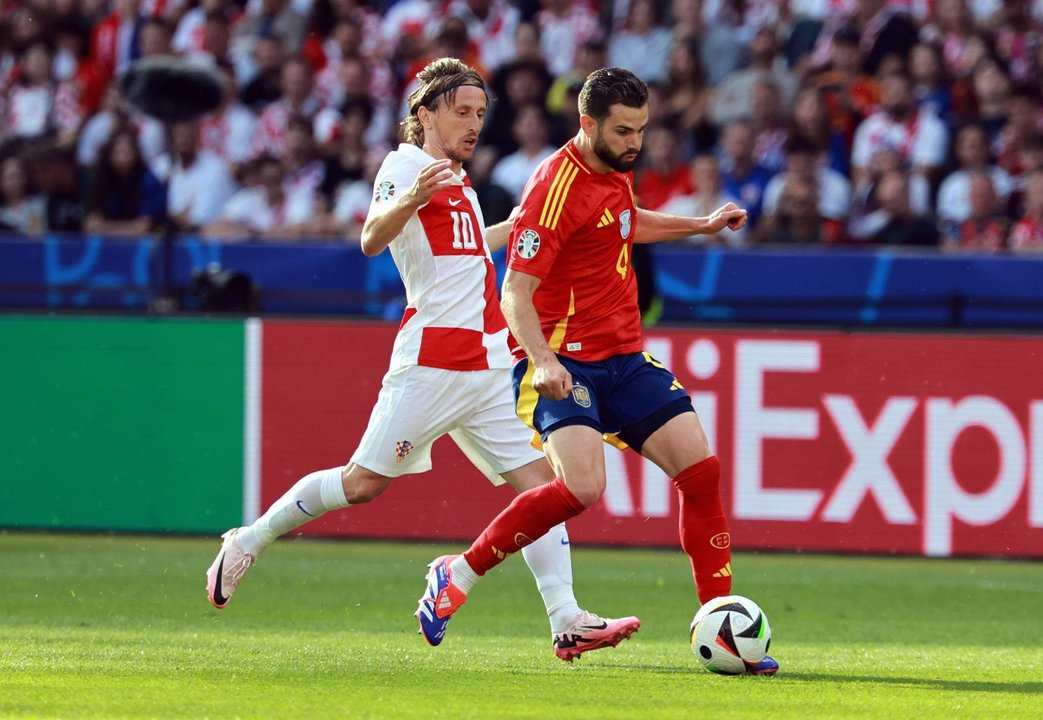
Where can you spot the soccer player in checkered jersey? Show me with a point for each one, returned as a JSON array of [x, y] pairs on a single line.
[[450, 366], [570, 300]]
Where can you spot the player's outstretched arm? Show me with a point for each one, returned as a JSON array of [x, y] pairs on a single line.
[[383, 227], [551, 379], [659, 227]]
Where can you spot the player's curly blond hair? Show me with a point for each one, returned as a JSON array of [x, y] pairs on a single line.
[[441, 78]]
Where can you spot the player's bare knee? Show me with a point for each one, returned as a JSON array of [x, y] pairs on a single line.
[[588, 490], [361, 485]]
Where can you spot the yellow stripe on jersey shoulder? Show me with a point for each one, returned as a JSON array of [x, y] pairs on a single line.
[[555, 187], [564, 196], [576, 160]]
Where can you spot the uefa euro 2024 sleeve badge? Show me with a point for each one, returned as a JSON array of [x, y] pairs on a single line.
[[528, 244], [624, 224], [385, 191]]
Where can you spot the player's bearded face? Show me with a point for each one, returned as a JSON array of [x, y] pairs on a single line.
[[617, 139]]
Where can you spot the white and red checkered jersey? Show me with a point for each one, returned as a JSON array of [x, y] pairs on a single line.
[[453, 319]]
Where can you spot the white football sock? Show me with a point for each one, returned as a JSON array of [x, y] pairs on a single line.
[[312, 496], [550, 560], [463, 576]]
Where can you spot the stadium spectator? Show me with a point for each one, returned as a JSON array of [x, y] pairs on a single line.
[[228, 132], [566, 26], [265, 210], [972, 156], [769, 125], [729, 29], [992, 91], [884, 30], [116, 41], [522, 83], [705, 178], [985, 230], [297, 98], [35, 106], [21, 210], [895, 222], [126, 198], [490, 26], [198, 182], [589, 57], [155, 38], [346, 163], [952, 28], [276, 19], [1017, 39], [53, 171], [357, 81], [849, 94], [261, 77], [808, 121], [191, 32], [531, 132], [733, 97], [743, 177], [804, 165], [864, 220], [931, 85], [352, 200], [303, 170], [565, 122], [687, 97], [919, 138], [115, 116], [665, 174], [642, 46], [797, 220], [1027, 234], [1023, 124]]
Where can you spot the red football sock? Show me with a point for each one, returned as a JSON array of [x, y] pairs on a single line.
[[704, 528], [527, 518]]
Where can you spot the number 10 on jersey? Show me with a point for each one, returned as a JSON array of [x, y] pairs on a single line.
[[463, 231]]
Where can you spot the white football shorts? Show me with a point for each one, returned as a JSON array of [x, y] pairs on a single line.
[[417, 405]]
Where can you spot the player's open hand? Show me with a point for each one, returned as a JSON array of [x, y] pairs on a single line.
[[729, 216], [552, 380], [431, 179]]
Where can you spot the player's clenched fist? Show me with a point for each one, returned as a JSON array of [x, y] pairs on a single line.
[[431, 179], [729, 216], [552, 380]]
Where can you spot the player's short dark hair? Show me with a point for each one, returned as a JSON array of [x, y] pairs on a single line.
[[440, 78], [611, 86]]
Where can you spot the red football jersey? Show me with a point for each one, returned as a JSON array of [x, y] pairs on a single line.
[[575, 232]]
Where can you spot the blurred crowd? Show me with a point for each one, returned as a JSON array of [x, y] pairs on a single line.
[[894, 122]]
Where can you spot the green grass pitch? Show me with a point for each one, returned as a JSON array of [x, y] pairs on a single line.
[[99, 626]]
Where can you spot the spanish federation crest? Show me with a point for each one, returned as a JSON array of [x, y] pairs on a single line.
[[528, 244], [385, 191], [581, 396], [624, 224]]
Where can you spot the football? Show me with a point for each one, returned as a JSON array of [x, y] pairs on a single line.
[[730, 634]]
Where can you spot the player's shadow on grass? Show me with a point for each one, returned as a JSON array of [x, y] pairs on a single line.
[[1027, 688]]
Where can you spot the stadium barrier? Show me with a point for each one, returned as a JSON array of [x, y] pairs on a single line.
[[832, 286], [830, 441]]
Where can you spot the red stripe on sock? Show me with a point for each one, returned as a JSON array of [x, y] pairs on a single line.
[[526, 519], [704, 528]]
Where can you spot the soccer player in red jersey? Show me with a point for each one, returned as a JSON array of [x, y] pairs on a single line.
[[570, 299]]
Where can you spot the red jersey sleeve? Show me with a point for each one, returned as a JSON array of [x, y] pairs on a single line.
[[547, 215]]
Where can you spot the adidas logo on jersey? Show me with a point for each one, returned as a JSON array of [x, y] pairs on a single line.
[[725, 571], [606, 219]]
